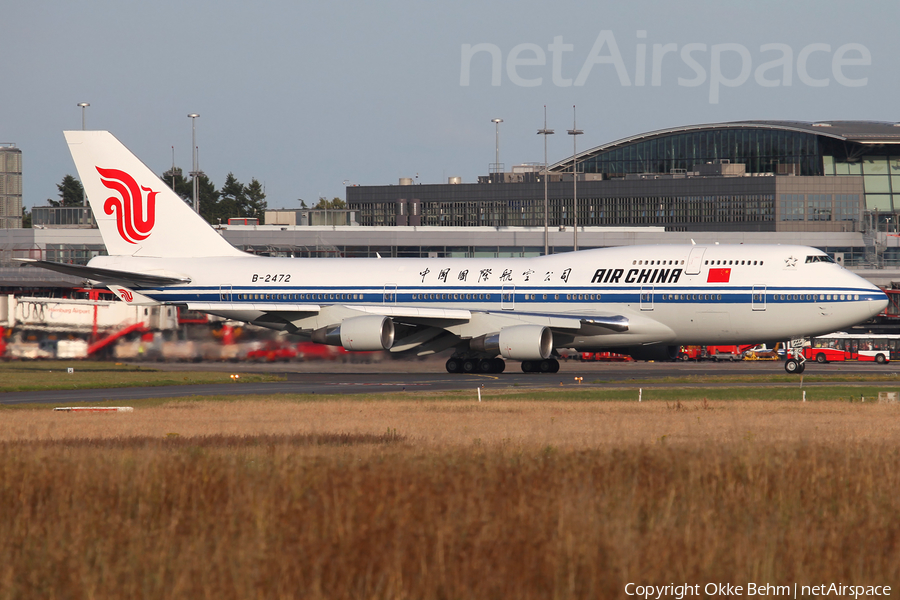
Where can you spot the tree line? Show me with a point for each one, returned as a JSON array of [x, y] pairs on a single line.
[[232, 200]]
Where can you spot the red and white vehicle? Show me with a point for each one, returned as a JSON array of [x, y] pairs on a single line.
[[836, 347], [605, 357]]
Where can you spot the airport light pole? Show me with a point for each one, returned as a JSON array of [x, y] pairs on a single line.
[[575, 132], [83, 106], [496, 123], [173, 168], [195, 171], [545, 132]]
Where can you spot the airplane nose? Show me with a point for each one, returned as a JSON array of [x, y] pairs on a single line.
[[878, 305]]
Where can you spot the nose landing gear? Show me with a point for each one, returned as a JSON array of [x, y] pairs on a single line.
[[795, 366], [796, 362]]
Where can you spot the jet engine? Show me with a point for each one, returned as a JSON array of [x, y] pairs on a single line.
[[519, 342], [368, 333]]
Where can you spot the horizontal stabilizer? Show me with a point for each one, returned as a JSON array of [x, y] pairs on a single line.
[[107, 276]]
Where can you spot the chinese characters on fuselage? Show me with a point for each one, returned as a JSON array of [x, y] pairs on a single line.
[[604, 276]]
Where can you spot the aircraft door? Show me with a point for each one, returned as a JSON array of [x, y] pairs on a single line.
[[225, 293], [758, 299], [390, 293], [695, 261], [646, 297], [508, 297]]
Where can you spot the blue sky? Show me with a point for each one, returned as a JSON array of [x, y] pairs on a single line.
[[305, 96]]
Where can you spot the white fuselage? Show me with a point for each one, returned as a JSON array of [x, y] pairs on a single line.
[[672, 294]]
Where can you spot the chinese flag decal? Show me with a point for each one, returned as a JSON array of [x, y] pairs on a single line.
[[719, 276]]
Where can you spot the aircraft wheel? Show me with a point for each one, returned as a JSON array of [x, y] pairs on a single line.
[[820, 358], [454, 365], [527, 366], [792, 366], [469, 365], [499, 365], [555, 365], [879, 358], [546, 366], [487, 365], [802, 367]]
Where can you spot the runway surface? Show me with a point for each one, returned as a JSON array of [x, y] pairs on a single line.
[[411, 378]]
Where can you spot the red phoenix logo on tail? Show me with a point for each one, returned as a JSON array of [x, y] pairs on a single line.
[[134, 217], [126, 295]]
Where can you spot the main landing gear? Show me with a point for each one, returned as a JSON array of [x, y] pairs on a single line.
[[550, 365], [475, 365], [497, 365]]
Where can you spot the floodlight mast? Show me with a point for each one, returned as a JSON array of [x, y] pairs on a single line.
[[545, 132], [83, 106], [497, 168], [575, 132], [195, 171]]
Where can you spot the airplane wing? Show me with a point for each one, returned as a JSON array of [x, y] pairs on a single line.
[[106, 276], [425, 330], [421, 329]]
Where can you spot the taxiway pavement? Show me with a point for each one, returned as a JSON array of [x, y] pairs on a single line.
[[410, 378]]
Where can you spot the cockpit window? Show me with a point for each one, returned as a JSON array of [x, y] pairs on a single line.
[[819, 258]]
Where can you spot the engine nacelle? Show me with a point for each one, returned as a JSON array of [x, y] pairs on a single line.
[[519, 342], [652, 352], [368, 333]]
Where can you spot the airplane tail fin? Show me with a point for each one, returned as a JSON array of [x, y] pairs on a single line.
[[138, 214]]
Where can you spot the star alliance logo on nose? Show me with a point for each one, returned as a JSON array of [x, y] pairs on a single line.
[[790, 262]]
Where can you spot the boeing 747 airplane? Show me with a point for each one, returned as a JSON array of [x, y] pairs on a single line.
[[645, 301]]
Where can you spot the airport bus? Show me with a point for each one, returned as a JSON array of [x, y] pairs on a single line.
[[834, 347]]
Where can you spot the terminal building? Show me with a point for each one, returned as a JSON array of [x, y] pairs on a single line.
[[763, 176]]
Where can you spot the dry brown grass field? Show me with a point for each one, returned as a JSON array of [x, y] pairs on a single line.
[[445, 498]]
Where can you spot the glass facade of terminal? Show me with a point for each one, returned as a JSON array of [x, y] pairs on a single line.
[[680, 204], [881, 178], [760, 150]]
